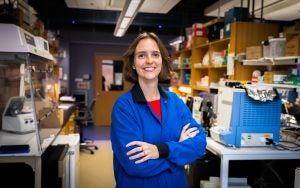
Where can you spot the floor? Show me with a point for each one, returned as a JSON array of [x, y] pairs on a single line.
[[96, 171]]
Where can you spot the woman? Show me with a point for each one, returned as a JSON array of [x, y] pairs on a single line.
[[153, 133]]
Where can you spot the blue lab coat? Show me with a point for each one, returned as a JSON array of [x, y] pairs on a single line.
[[134, 120]]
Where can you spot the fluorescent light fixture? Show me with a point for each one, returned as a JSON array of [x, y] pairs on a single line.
[[120, 32], [125, 23], [130, 9]]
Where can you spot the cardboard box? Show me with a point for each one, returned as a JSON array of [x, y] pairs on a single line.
[[253, 52], [198, 26], [199, 32], [269, 76], [292, 47]]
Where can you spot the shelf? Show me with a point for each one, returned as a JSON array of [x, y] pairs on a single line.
[[176, 54], [217, 42], [202, 45], [236, 43], [186, 50], [288, 60], [200, 88], [185, 89], [184, 68], [210, 66], [225, 40], [283, 86], [214, 21]]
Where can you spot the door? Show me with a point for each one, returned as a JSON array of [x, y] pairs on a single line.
[[109, 85]]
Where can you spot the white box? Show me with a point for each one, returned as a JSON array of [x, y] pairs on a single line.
[[277, 47], [297, 178], [214, 182]]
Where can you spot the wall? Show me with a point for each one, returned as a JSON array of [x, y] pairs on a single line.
[[81, 46]]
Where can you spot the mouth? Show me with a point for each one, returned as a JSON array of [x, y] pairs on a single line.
[[149, 68]]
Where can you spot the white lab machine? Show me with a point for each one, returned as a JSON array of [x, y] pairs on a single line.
[[18, 116], [243, 121], [72, 167], [15, 41]]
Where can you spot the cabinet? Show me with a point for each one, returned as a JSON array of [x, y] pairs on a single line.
[[276, 65], [182, 70], [205, 69], [246, 34], [243, 34]]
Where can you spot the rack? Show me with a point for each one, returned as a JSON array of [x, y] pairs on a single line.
[[266, 61], [243, 34]]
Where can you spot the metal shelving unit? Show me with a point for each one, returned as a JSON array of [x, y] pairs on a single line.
[[267, 61]]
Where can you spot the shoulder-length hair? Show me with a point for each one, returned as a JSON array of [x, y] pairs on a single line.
[[130, 74]]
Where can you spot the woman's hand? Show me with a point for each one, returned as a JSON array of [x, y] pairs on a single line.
[[143, 151], [188, 132]]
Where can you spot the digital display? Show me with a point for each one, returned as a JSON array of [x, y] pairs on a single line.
[[29, 39], [45, 46]]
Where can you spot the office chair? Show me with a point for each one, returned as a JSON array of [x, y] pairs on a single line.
[[85, 118]]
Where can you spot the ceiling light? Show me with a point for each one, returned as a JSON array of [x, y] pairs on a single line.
[[125, 22], [130, 9], [120, 32]]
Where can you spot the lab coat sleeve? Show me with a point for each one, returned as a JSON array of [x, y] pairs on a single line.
[[182, 153], [124, 129]]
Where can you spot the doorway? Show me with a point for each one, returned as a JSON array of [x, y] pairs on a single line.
[[109, 85]]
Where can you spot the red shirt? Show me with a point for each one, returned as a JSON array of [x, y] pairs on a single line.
[[155, 105]]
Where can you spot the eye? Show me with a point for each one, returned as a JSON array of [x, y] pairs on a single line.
[[141, 56], [156, 54]]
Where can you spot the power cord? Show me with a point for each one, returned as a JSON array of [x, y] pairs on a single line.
[[283, 145]]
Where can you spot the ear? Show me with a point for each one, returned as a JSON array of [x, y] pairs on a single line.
[[133, 67]]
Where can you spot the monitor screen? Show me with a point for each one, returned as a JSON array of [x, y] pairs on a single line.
[[80, 97]]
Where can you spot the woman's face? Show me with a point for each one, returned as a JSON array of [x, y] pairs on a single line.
[[147, 60]]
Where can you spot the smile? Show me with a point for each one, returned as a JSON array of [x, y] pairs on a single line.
[[149, 68]]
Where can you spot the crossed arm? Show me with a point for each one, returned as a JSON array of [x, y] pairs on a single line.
[[144, 151]]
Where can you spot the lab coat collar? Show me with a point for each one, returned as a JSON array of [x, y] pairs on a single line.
[[138, 95]]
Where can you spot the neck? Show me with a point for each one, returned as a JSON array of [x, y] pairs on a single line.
[[150, 90]]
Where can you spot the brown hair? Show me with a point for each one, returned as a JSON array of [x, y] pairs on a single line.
[[130, 74]]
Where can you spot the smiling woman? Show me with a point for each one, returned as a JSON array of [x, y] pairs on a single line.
[[153, 133]]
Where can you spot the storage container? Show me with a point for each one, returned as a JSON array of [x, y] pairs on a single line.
[[265, 48], [277, 47], [232, 15]]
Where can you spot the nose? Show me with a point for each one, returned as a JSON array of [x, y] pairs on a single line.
[[149, 59]]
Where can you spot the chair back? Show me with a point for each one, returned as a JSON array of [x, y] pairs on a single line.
[[92, 105]]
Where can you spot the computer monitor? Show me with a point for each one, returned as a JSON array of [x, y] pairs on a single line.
[[81, 97]]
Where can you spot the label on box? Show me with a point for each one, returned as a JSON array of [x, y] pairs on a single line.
[[198, 26], [199, 32]]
